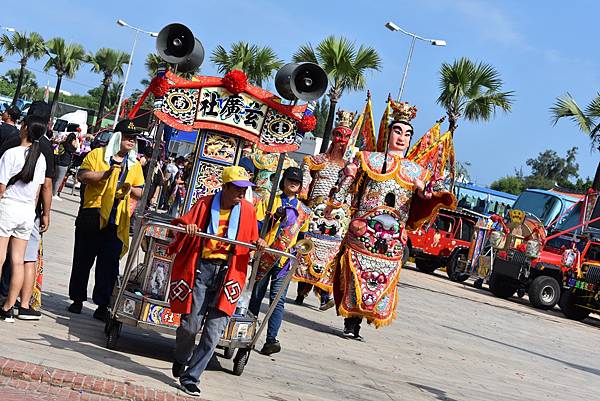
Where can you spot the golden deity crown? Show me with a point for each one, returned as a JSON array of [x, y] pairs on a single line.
[[345, 118], [403, 111]]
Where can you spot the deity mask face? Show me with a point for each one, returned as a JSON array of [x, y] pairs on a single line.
[[399, 137], [341, 136]]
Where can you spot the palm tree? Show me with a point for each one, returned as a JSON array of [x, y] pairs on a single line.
[[26, 46], [566, 106], [65, 59], [29, 85], [110, 63], [114, 92], [257, 62], [346, 67], [153, 61], [471, 90]]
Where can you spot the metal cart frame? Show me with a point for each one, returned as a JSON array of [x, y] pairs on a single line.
[[231, 340]]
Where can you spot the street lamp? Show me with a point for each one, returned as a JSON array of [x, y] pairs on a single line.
[[435, 42], [120, 22], [8, 28]]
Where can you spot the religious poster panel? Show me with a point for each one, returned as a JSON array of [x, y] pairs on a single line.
[[219, 148]]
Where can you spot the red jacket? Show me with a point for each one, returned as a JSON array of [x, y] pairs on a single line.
[[188, 248]]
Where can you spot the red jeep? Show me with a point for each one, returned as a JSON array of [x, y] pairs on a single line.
[[443, 242]]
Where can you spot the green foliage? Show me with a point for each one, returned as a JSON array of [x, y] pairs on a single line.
[[65, 59], [586, 120], [471, 90], [6, 88], [257, 62], [320, 112], [548, 170], [345, 65], [109, 62], [29, 85], [510, 184], [24, 45]]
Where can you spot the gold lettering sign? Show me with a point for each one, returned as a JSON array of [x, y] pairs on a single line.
[[243, 111]]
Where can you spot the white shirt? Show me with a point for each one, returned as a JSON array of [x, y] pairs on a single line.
[[11, 164]]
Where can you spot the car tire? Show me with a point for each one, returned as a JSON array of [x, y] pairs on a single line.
[[502, 287], [453, 275], [544, 292], [426, 266], [569, 308]]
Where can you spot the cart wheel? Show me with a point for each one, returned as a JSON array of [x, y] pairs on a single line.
[[114, 329], [478, 283], [228, 352], [240, 361]]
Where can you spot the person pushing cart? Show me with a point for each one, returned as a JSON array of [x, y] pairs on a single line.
[[208, 276]]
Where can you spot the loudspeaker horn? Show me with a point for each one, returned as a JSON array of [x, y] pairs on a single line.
[[304, 81], [176, 44]]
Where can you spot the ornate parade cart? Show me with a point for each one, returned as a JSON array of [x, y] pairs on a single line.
[[230, 115]]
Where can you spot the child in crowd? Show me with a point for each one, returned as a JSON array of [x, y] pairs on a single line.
[[22, 172]]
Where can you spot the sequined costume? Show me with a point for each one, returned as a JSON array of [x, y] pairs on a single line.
[[326, 232], [370, 259]]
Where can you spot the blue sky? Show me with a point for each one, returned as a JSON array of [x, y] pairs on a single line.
[[542, 49]]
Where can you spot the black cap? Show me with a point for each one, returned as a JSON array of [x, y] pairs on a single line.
[[126, 127], [293, 174], [13, 111], [40, 109]]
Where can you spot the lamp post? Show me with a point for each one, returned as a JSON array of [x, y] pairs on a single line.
[[120, 22], [435, 42], [8, 28]]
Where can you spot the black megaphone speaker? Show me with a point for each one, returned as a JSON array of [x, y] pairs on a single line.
[[176, 44], [304, 81]]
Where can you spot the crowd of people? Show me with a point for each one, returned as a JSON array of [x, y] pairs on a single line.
[[35, 163], [365, 244]]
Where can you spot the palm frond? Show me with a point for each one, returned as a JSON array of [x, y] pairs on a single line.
[[566, 107], [305, 53]]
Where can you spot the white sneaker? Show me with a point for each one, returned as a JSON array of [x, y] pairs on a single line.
[[56, 198]]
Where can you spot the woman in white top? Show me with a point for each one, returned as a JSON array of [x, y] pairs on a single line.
[[22, 172]]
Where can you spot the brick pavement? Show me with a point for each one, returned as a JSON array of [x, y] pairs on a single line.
[[25, 381]]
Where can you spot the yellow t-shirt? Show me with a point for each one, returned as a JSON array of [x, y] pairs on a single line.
[[261, 212], [94, 161], [216, 249]]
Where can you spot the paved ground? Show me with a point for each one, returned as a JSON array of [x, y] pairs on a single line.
[[450, 342]]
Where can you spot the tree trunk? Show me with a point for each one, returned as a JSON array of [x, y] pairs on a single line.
[[452, 123], [19, 83], [55, 96], [101, 107], [329, 126]]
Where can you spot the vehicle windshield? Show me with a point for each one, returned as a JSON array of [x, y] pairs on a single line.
[[545, 207], [571, 219]]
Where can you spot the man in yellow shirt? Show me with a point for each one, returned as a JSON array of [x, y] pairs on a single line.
[[112, 176], [285, 228]]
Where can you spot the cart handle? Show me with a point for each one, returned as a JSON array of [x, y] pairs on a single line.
[[138, 241], [252, 247]]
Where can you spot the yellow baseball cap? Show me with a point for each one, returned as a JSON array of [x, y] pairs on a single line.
[[236, 175]]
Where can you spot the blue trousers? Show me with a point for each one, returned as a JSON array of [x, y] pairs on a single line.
[[259, 292], [204, 315]]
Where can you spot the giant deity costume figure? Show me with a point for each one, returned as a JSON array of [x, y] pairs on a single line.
[[390, 194], [320, 175]]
